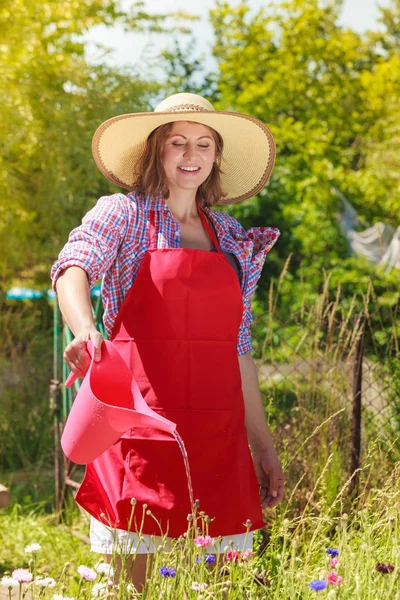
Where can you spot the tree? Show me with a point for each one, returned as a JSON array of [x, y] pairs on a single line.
[[296, 69], [51, 102], [374, 185]]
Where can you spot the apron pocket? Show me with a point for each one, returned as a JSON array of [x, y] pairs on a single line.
[[155, 469]]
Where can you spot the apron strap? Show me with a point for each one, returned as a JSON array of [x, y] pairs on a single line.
[[152, 228], [209, 229]]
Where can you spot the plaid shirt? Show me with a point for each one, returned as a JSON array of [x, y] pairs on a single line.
[[113, 240]]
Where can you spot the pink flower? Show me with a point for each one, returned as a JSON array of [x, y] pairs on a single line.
[[246, 554], [232, 556], [202, 541], [334, 578], [87, 573], [22, 575], [333, 562]]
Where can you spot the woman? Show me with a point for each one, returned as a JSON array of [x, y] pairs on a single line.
[[178, 277]]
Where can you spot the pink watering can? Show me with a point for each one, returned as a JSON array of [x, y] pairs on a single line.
[[108, 404]]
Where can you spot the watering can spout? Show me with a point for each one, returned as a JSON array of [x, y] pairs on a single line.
[[108, 404]]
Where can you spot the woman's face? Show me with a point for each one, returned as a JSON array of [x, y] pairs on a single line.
[[188, 155]]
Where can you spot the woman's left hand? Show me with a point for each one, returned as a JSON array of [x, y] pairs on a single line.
[[270, 477]]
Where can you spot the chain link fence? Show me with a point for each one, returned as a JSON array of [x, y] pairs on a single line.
[[330, 383]]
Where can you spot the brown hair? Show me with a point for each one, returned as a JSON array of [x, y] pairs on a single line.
[[150, 175]]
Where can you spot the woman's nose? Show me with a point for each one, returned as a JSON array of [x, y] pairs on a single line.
[[190, 151]]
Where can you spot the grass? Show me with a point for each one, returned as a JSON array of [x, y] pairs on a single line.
[[287, 556]]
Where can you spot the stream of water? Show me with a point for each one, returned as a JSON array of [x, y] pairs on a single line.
[[182, 448]]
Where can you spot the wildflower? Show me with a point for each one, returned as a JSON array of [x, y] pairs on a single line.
[[318, 584], [246, 554], [87, 573], [202, 541], [45, 582], [198, 587], [104, 569], [248, 523], [332, 552], [22, 575], [232, 556], [98, 589], [385, 568], [166, 572], [261, 580], [33, 548], [334, 578], [209, 559], [9, 582], [333, 563]]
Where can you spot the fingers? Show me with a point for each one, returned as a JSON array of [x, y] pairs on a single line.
[[267, 501], [271, 488], [263, 490], [273, 483], [77, 358], [76, 354], [270, 500], [97, 340]]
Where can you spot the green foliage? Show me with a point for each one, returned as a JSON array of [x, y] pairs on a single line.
[[297, 70], [52, 101], [288, 554], [330, 97], [26, 435]]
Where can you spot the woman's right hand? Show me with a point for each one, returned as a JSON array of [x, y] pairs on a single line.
[[76, 355]]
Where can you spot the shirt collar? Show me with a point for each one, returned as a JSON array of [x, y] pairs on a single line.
[[157, 201]]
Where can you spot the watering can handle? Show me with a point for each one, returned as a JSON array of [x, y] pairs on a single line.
[[72, 377]]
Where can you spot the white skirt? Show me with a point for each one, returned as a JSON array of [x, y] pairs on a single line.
[[107, 540]]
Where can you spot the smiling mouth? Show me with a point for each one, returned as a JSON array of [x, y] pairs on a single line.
[[189, 169]]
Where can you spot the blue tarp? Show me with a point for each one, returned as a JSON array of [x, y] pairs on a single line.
[[20, 293]]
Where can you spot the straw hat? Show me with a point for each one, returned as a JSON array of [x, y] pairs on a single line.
[[247, 159]]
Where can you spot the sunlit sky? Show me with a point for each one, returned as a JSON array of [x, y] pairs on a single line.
[[129, 49]]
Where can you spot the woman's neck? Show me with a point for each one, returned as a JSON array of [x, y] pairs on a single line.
[[183, 206]]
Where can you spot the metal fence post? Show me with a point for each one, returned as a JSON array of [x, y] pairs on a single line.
[[359, 325], [55, 402]]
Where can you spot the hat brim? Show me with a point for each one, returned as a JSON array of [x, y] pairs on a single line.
[[247, 160]]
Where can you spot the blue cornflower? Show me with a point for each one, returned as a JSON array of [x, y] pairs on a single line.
[[318, 585], [209, 559], [166, 572], [332, 552]]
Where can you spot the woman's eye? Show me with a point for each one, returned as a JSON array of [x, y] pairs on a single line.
[[181, 144]]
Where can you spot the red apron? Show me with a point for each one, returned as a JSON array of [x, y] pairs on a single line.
[[177, 330]]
